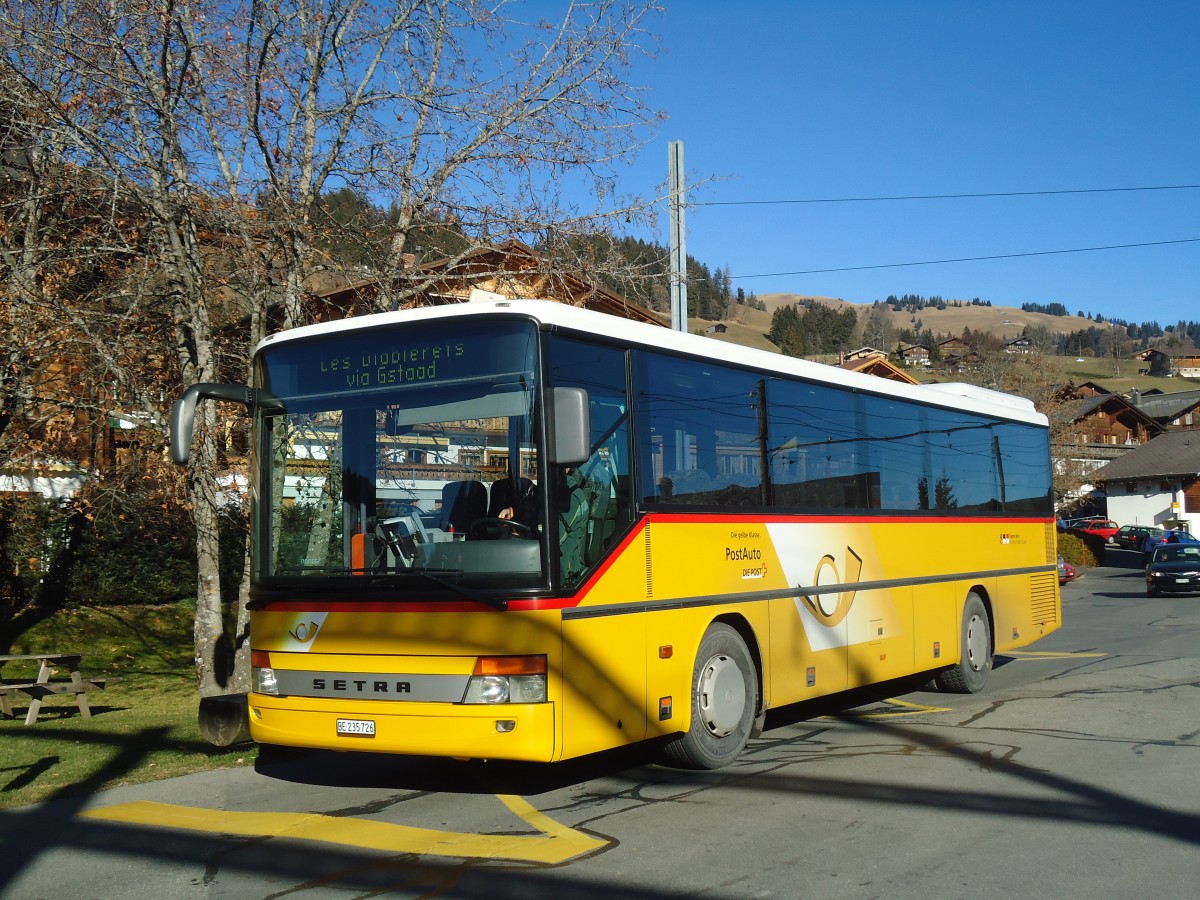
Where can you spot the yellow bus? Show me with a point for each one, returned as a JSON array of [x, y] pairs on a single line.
[[521, 530]]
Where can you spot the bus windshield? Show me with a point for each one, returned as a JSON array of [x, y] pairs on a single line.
[[407, 458]]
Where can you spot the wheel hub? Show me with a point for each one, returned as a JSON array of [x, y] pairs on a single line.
[[977, 643], [722, 695]]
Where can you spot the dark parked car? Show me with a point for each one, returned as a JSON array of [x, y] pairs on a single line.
[[1173, 567], [1172, 536], [1133, 537]]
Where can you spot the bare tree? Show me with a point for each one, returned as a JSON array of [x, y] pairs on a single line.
[[217, 127], [877, 328]]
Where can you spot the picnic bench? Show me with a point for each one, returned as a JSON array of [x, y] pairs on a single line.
[[43, 687]]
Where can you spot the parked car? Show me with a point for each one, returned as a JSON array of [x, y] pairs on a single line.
[[1071, 524], [1066, 571], [1133, 537], [1104, 528], [1171, 536], [1173, 567]]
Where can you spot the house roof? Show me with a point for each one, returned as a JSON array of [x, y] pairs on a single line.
[[1174, 453], [863, 352], [1113, 403], [1165, 407], [880, 366]]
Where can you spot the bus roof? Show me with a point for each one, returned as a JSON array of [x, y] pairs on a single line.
[[626, 332]]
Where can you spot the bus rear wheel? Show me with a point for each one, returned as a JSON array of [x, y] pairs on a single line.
[[970, 674], [724, 702]]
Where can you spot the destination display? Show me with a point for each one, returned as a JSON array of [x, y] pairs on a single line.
[[380, 359], [404, 365]]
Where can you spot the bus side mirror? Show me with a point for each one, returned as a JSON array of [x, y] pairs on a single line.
[[183, 415], [570, 444]]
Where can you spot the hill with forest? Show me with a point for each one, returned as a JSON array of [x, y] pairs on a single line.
[[1003, 322], [911, 319]]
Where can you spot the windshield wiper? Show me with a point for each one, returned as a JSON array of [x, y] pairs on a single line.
[[493, 602], [375, 578]]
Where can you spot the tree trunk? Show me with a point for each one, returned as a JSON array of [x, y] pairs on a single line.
[[214, 662]]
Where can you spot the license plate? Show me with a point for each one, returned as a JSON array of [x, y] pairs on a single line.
[[1183, 581], [356, 727]]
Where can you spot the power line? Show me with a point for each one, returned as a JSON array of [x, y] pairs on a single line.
[[1161, 187], [938, 262]]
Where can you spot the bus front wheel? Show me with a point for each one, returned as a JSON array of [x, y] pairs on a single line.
[[724, 702], [970, 674]]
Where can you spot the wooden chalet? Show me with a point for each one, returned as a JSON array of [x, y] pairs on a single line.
[[1111, 420], [1174, 411], [1163, 364], [511, 270], [1019, 345], [878, 365]]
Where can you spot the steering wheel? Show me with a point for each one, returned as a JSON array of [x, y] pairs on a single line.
[[496, 527]]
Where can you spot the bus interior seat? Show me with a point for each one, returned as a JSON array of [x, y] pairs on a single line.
[[463, 503]]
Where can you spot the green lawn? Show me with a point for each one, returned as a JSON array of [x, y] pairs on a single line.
[[143, 725]]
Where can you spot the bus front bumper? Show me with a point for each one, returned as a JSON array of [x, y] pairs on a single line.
[[473, 731]]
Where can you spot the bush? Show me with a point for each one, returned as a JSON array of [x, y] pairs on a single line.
[[113, 545], [38, 542], [138, 549], [1080, 550]]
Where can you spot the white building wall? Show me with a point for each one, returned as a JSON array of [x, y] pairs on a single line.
[[52, 488], [1146, 503]]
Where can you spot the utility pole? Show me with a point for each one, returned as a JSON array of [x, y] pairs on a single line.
[[678, 237]]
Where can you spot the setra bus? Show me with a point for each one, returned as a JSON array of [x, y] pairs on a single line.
[[521, 530]]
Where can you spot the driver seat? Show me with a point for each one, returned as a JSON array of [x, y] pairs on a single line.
[[463, 503]]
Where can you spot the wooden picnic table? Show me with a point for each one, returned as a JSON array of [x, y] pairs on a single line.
[[43, 687]]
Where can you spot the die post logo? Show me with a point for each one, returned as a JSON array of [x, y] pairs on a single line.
[[830, 608], [305, 632]]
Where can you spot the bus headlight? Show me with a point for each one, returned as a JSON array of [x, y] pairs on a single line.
[[262, 676], [508, 679]]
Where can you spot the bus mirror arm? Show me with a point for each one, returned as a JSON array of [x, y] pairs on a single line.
[[183, 414]]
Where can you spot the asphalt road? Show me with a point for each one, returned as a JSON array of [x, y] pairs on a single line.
[[1073, 775]]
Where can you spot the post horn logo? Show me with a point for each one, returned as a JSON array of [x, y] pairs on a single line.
[[828, 607], [305, 631]]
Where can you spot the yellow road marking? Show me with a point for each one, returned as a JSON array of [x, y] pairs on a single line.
[[909, 709], [556, 843], [1049, 654]]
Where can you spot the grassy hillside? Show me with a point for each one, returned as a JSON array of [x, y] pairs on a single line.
[[748, 327], [1003, 321]]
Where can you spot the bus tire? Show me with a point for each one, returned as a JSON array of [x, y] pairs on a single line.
[[724, 702], [970, 674]]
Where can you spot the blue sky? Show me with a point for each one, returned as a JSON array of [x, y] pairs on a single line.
[[835, 99]]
